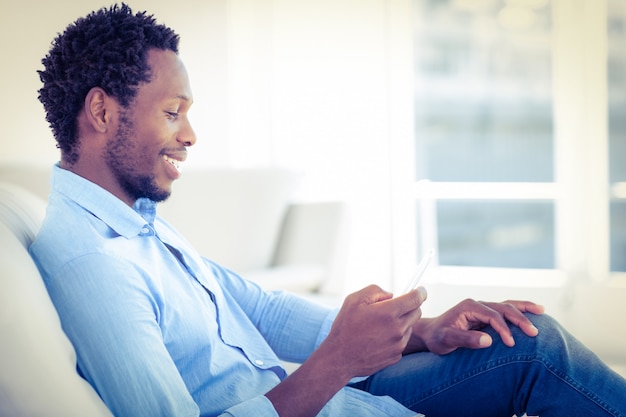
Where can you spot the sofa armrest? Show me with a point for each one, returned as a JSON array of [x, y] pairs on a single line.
[[314, 234]]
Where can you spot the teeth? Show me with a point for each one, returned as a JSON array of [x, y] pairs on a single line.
[[172, 161]]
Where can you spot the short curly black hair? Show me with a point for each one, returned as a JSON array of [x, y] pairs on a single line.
[[107, 49]]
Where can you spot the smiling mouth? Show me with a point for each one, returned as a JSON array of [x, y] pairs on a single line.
[[174, 162]]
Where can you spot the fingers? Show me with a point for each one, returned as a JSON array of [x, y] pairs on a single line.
[[395, 307], [528, 306], [513, 310], [369, 295], [462, 327], [472, 339], [373, 294], [458, 327], [372, 329], [524, 306], [498, 314], [491, 314], [403, 304], [411, 301]]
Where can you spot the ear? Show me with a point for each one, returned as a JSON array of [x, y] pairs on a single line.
[[98, 109]]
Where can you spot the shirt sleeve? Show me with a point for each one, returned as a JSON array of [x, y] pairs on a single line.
[[292, 325], [260, 406], [111, 319]]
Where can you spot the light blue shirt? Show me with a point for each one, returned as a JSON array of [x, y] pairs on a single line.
[[159, 330]]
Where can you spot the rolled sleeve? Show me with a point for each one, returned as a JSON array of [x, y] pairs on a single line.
[[259, 406], [327, 324]]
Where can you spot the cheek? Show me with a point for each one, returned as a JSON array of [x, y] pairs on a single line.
[[150, 142]]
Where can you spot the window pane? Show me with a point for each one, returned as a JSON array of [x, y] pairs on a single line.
[[496, 233], [617, 130], [618, 236], [483, 91]]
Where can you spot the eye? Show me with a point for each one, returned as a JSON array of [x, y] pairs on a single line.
[[172, 115]]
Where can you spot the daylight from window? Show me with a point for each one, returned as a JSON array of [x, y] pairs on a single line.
[[484, 115]]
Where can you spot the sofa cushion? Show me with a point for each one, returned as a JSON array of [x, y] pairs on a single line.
[[295, 278], [21, 212], [38, 362]]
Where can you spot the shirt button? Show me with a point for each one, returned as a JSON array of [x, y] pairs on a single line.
[[145, 230], [259, 362]]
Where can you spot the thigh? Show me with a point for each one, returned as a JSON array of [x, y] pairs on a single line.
[[543, 376], [463, 383]]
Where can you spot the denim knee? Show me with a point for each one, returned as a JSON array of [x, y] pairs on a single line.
[[554, 346]]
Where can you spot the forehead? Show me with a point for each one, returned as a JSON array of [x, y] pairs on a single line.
[[169, 77]]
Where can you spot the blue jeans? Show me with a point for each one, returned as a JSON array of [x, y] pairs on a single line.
[[552, 374]]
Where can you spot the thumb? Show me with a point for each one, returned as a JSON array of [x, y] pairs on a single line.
[[453, 338]]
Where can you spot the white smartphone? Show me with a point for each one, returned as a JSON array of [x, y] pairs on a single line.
[[419, 271]]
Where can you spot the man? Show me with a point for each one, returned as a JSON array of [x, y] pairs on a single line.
[[161, 331]]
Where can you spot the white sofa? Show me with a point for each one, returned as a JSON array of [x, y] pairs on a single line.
[[38, 375], [242, 218]]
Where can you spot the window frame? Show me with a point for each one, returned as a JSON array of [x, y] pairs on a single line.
[[581, 191]]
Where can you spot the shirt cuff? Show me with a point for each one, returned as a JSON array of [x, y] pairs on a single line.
[[259, 406], [326, 326]]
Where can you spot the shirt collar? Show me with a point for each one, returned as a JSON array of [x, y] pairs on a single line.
[[126, 221]]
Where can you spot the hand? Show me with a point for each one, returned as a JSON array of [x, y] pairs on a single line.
[[460, 326], [372, 329], [369, 333]]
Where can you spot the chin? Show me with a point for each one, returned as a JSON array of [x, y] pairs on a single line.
[[147, 188], [160, 195]]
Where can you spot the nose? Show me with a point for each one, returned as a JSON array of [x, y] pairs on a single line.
[[187, 136]]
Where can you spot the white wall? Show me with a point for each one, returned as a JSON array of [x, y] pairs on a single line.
[[32, 24]]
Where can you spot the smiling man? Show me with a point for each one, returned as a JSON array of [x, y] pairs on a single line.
[[160, 330], [135, 152]]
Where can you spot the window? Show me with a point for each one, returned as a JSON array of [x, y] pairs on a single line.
[[483, 112], [520, 135]]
